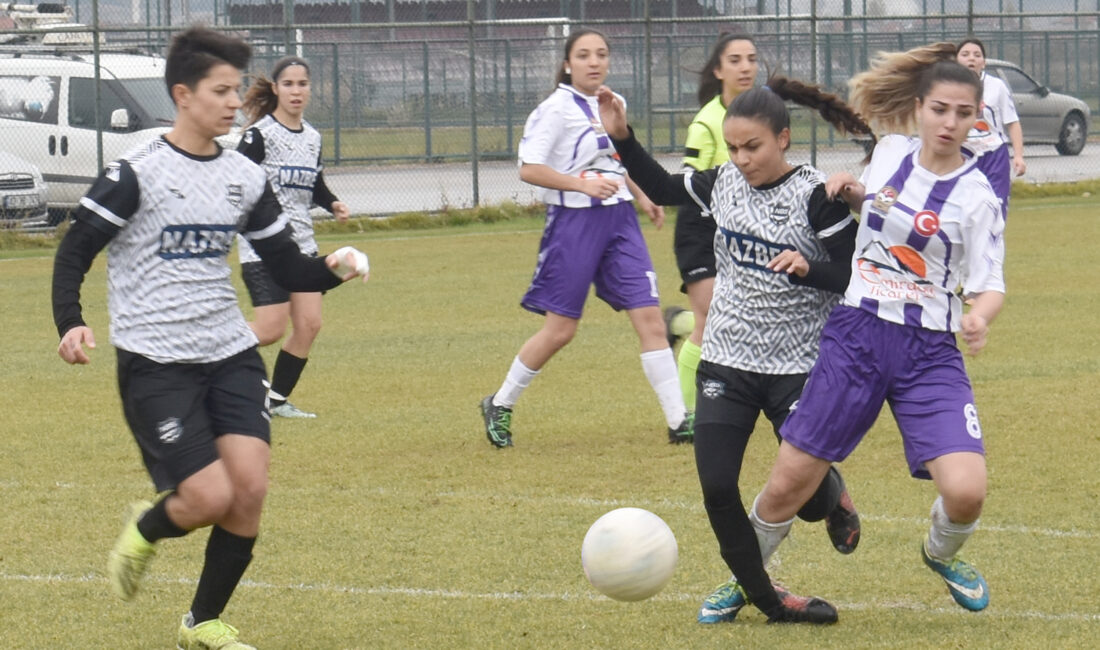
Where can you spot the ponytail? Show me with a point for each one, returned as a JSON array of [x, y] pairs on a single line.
[[767, 104], [260, 100], [888, 91]]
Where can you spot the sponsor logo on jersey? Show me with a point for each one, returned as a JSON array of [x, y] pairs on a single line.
[[780, 213], [169, 430], [114, 171], [196, 240], [894, 273], [884, 199], [299, 178], [248, 136], [234, 193], [926, 222], [751, 252]]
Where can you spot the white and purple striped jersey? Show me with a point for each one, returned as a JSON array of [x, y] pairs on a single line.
[[997, 112], [564, 133], [292, 160], [922, 236], [173, 217]]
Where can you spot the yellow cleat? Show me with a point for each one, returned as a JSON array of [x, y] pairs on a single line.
[[129, 558], [208, 635]]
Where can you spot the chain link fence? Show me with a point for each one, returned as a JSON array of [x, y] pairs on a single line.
[[405, 91]]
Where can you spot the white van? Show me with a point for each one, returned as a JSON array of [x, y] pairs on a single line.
[[48, 112]]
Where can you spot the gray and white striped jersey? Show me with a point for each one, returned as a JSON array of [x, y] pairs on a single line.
[[759, 320], [174, 216], [292, 160]]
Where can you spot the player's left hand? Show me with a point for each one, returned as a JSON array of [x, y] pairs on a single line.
[[974, 330], [790, 261], [348, 262], [1019, 167], [341, 211], [612, 113], [71, 348], [656, 213]]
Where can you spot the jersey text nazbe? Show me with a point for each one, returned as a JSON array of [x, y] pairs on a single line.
[[196, 240]]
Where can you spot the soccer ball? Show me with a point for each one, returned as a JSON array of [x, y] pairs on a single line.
[[629, 554]]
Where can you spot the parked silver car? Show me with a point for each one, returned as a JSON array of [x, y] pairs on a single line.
[[22, 194], [1046, 117]]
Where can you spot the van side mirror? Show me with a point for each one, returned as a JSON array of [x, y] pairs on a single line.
[[1043, 91], [120, 119]]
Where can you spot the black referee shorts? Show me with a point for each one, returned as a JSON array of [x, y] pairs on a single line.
[[693, 243], [176, 411], [735, 398], [262, 288]]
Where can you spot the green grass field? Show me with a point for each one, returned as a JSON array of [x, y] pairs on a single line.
[[391, 522]]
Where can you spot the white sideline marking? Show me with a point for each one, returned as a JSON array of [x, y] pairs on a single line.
[[521, 596]]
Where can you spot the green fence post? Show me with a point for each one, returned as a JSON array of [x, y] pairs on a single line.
[[427, 108], [336, 102], [671, 101], [508, 93]]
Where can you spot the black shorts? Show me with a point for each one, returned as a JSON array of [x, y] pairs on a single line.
[[262, 288], [177, 410], [735, 398], [693, 242]]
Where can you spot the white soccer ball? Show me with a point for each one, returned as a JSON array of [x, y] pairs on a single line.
[[629, 554]]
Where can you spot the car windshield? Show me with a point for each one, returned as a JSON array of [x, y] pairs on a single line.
[[153, 98]]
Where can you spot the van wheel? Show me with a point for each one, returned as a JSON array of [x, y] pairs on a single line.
[[1071, 139]]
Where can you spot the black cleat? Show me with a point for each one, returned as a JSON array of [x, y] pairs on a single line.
[[842, 523], [801, 609], [683, 433], [498, 423]]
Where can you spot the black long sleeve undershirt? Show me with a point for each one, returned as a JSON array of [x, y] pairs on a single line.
[[322, 195]]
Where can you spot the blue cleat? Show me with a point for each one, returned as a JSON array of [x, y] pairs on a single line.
[[722, 606], [966, 585]]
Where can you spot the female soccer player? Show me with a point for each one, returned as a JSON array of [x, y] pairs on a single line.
[[930, 223], [730, 70], [289, 150], [591, 236], [193, 385], [996, 127], [783, 254]]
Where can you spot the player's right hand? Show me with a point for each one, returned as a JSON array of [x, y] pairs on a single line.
[[599, 187], [71, 348]]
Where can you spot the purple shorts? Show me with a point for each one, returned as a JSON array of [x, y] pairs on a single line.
[[865, 361], [582, 246], [997, 167]]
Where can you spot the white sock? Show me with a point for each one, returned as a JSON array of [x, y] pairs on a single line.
[[663, 375], [945, 537], [519, 377], [768, 535]]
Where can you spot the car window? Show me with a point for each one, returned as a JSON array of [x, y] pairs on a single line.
[[1019, 82], [82, 103], [30, 99]]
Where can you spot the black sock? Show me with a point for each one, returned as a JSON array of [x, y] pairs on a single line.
[[155, 523], [227, 556], [288, 368], [825, 499], [719, 452]]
